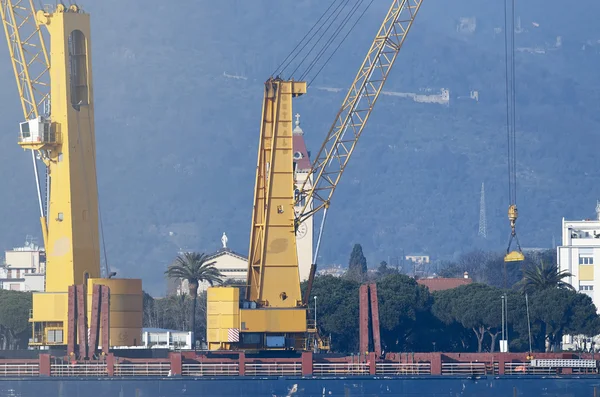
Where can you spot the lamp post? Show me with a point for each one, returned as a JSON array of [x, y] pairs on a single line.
[[315, 312]]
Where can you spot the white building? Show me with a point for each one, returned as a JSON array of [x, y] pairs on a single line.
[[579, 254], [233, 267], [304, 235], [166, 338], [23, 268]]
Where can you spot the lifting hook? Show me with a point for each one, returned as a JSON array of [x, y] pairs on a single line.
[[514, 256]]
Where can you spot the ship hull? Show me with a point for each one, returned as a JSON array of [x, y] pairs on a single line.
[[363, 386]]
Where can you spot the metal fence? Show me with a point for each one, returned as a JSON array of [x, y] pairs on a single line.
[[19, 370], [403, 369]]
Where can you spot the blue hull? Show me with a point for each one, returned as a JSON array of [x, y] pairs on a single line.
[[425, 386]]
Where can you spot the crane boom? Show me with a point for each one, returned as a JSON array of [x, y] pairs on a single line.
[[31, 66], [332, 158], [336, 150], [28, 55]]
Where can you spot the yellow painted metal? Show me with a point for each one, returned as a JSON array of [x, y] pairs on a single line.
[[273, 279], [126, 310], [514, 256], [274, 320], [223, 314], [73, 238], [273, 276], [30, 61], [67, 148], [28, 54], [331, 160], [50, 311], [586, 273]]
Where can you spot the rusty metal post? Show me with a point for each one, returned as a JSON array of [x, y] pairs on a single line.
[[375, 319], [71, 320], [105, 315], [82, 322], [364, 319], [95, 320]]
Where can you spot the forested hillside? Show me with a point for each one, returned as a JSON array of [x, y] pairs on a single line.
[[177, 138]]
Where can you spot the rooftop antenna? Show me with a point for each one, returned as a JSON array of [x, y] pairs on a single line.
[[598, 209]]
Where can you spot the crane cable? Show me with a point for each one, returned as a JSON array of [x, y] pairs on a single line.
[[283, 66], [509, 53], [333, 17]]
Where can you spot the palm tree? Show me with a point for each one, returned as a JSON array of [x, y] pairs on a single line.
[[544, 276], [195, 268]]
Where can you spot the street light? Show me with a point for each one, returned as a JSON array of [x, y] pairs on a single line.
[[315, 312]]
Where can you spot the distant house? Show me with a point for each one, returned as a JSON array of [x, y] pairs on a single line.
[[233, 266], [441, 283]]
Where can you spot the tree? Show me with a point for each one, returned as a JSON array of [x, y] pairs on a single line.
[[384, 270], [404, 306], [560, 311], [337, 311], [544, 276], [195, 268], [14, 318], [357, 266], [475, 306]]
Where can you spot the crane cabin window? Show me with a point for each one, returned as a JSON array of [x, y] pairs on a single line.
[[78, 69]]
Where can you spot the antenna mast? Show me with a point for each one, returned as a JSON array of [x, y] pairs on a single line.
[[482, 218]]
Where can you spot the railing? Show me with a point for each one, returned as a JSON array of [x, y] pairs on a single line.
[[201, 369], [19, 370], [143, 369], [526, 369], [403, 369], [210, 369], [274, 369], [343, 369], [473, 369], [85, 369]]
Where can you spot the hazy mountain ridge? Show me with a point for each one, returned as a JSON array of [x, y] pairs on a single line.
[[177, 140]]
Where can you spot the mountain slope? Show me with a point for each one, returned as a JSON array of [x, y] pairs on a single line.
[[177, 139]]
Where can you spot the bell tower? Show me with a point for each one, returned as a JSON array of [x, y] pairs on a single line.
[[304, 235]]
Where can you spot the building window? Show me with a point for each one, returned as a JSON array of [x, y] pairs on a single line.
[[586, 288], [586, 260]]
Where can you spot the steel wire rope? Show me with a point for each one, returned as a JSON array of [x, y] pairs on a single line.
[[300, 42], [310, 51], [333, 37], [341, 42], [509, 54]]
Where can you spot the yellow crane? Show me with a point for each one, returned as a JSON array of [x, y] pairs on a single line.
[[54, 82], [273, 314]]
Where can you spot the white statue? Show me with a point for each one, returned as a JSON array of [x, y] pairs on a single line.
[[224, 240]]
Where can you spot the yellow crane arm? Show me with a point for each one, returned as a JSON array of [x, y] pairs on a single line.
[[332, 158], [337, 148], [28, 54], [31, 66]]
